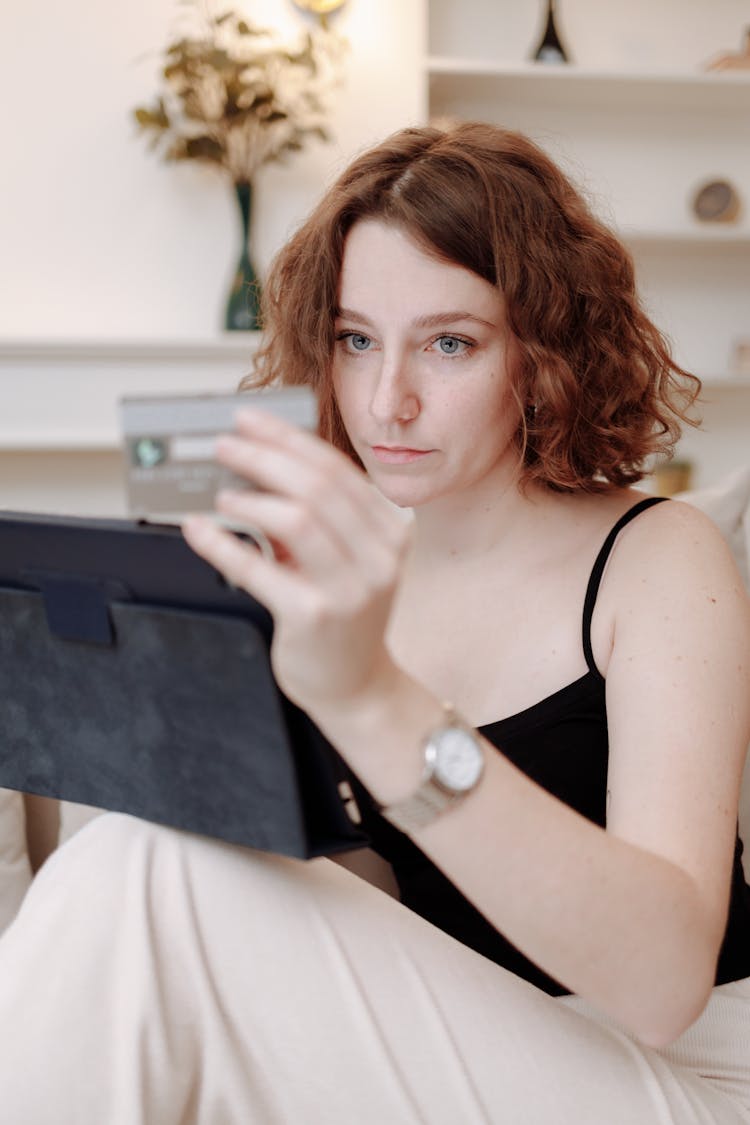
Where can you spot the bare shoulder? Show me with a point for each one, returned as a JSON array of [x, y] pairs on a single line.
[[672, 564], [676, 541], [666, 534], [669, 564]]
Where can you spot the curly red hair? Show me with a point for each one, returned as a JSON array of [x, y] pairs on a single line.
[[597, 389]]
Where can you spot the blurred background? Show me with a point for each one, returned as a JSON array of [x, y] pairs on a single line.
[[115, 266]]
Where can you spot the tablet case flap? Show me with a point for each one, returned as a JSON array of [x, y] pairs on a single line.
[[175, 718]]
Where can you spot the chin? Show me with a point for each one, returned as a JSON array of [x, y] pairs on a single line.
[[407, 486], [405, 494]]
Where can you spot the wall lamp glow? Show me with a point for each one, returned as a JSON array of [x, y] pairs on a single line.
[[322, 8]]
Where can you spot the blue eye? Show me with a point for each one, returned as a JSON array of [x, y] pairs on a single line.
[[355, 341], [451, 345]]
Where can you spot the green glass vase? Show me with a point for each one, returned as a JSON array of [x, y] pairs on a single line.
[[243, 306]]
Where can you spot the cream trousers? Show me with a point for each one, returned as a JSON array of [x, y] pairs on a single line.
[[160, 978]]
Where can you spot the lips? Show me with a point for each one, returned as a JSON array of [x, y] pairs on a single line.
[[398, 454]]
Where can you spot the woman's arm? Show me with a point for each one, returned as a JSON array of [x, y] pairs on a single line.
[[630, 918]]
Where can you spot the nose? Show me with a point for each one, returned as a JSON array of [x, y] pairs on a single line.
[[394, 396]]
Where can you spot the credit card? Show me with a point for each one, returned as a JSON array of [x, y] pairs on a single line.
[[170, 443]]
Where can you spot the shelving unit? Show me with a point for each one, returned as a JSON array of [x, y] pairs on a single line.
[[639, 143], [60, 446], [572, 86], [720, 236], [66, 392]]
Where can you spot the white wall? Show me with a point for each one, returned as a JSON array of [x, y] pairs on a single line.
[[98, 237]]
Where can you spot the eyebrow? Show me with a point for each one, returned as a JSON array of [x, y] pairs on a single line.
[[430, 320]]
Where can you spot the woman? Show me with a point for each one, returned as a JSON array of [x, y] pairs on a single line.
[[573, 941]]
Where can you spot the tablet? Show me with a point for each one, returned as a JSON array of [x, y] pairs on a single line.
[[133, 678]]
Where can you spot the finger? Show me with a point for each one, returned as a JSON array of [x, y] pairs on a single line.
[[333, 489], [298, 539], [306, 542], [280, 589], [266, 428], [288, 479], [256, 422]]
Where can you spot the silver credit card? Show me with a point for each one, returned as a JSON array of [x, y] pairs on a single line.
[[170, 443]]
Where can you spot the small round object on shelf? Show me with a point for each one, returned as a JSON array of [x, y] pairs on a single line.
[[716, 201]]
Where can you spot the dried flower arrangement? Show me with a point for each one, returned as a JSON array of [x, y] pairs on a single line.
[[236, 99]]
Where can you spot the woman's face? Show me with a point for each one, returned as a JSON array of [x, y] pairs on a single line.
[[421, 369]]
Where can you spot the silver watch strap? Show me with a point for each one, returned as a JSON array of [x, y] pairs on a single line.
[[420, 809]]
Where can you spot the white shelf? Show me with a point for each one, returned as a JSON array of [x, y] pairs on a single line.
[[449, 64], [454, 78], [62, 395], [106, 440], [721, 236], [228, 345], [724, 383]]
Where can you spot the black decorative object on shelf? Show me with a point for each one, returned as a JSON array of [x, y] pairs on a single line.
[[550, 48]]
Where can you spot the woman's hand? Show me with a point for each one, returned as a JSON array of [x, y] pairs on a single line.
[[339, 550]]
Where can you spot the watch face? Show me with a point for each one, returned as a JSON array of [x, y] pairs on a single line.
[[456, 757]]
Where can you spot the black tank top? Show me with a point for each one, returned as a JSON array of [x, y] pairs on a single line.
[[561, 743]]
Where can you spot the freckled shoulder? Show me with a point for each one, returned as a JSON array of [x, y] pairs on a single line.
[[672, 544], [675, 522]]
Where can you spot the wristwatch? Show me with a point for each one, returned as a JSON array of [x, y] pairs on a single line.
[[453, 766]]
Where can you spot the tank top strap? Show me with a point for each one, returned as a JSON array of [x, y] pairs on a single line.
[[598, 570]]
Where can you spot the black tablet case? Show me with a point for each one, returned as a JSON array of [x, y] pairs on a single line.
[[132, 678]]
